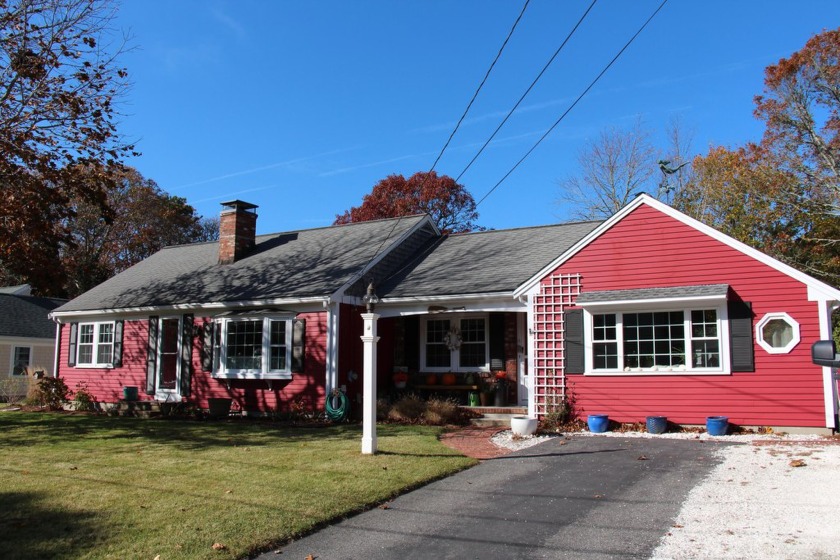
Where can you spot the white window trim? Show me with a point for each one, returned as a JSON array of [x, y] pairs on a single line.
[[723, 332], [222, 372], [776, 315], [96, 326], [12, 363], [455, 355]]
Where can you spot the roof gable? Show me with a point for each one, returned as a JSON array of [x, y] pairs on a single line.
[[817, 290]]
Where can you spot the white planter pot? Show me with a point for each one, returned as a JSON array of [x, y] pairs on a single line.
[[523, 426]]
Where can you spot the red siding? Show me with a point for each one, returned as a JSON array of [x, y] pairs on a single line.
[[650, 249], [307, 388]]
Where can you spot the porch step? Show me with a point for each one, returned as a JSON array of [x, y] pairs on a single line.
[[496, 416]]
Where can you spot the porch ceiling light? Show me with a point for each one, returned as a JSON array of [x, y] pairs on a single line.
[[370, 298]]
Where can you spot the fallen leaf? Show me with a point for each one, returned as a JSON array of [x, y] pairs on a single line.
[[598, 496], [677, 526], [798, 463], [228, 491], [384, 506], [157, 557], [309, 557], [74, 468], [642, 458], [219, 546]]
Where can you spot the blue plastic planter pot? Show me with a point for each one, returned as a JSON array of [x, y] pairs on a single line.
[[657, 424], [717, 425], [598, 423], [130, 393]]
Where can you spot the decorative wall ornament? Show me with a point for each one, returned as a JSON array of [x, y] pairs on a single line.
[[452, 339]]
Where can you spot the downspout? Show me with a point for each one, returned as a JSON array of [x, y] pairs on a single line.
[[57, 349], [333, 319]]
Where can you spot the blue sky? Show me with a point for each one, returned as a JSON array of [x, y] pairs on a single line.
[[301, 107]]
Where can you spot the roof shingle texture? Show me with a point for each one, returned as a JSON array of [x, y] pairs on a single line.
[[26, 316], [299, 264], [484, 262]]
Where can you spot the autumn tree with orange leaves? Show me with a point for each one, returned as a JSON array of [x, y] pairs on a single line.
[[782, 194], [448, 203]]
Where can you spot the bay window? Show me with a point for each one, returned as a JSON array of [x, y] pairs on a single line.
[[250, 347]]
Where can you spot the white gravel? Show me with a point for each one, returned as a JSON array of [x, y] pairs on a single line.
[[756, 503]]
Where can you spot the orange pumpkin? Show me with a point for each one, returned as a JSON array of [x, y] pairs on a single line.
[[431, 379], [448, 379]]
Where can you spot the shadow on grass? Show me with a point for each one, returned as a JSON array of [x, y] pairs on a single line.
[[29, 530], [42, 427]]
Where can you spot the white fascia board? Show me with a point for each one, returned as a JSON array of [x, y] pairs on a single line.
[[339, 296], [306, 304], [467, 303], [649, 303], [26, 341], [817, 290]]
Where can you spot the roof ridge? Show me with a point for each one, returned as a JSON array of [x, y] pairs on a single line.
[[542, 226]]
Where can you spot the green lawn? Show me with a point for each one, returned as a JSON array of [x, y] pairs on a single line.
[[75, 486]]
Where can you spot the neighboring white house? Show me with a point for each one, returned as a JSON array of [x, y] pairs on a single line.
[[27, 337]]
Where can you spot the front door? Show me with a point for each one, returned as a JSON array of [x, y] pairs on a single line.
[[169, 363]]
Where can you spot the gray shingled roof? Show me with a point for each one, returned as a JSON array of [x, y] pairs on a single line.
[[679, 292], [298, 264], [26, 316], [483, 262]]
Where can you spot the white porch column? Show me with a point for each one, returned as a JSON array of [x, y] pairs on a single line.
[[369, 340]]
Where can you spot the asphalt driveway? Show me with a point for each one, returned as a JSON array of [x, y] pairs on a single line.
[[582, 497]]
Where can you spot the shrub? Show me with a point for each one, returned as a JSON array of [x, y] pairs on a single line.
[[83, 398], [408, 409], [51, 392], [440, 412], [560, 412]]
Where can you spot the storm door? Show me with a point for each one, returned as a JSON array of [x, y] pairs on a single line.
[[169, 362]]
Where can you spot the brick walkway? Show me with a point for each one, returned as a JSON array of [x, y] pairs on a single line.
[[474, 441]]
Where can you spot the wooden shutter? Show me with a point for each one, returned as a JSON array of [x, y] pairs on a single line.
[[298, 344], [71, 347], [573, 342], [118, 344], [741, 347], [208, 337], [497, 341], [151, 355], [412, 342], [186, 353]]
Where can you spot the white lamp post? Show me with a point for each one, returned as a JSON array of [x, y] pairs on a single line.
[[369, 340]]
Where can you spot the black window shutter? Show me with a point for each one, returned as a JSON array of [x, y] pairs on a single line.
[[186, 353], [741, 348], [412, 342], [151, 355], [71, 347], [497, 341], [118, 344], [573, 341], [298, 344], [207, 346]]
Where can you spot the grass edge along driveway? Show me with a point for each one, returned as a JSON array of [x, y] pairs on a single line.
[[78, 486]]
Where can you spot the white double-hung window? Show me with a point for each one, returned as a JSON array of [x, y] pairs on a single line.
[[95, 344]]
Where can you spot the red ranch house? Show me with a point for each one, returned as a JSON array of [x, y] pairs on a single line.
[[649, 312]]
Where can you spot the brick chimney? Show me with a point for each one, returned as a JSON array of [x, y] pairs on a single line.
[[237, 230]]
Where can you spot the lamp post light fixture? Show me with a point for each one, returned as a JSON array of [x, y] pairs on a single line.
[[369, 340]]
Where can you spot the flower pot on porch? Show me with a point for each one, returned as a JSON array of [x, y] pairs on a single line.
[[598, 423], [484, 398], [219, 408], [500, 394], [656, 424], [717, 425], [473, 398]]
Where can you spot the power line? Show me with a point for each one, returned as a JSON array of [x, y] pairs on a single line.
[[502, 48], [572, 106], [486, 75], [527, 91]]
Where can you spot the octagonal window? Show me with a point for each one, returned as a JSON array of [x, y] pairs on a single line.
[[777, 333]]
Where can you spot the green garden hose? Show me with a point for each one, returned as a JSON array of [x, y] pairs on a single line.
[[337, 407]]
